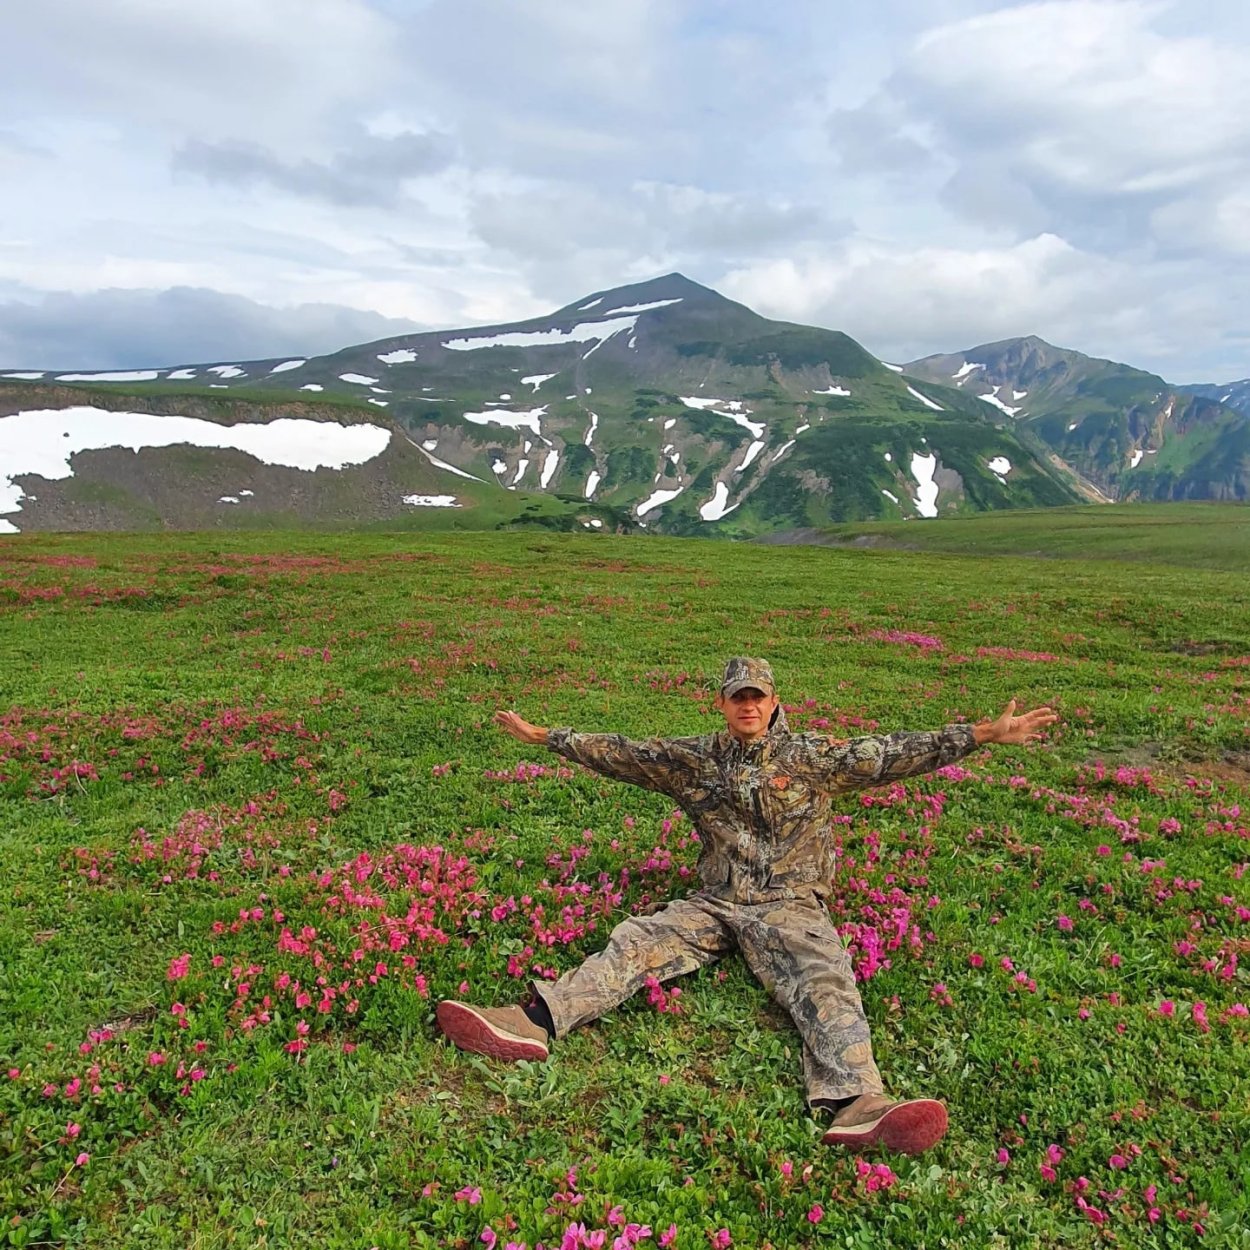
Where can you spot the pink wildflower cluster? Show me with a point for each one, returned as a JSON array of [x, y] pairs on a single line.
[[874, 1176], [661, 999], [906, 638]]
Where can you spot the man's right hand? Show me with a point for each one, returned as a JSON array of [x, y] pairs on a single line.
[[521, 729]]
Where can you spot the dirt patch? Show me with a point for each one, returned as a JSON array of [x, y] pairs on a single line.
[[1213, 646]]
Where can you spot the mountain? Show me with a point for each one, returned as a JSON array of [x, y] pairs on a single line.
[[1232, 394], [1125, 433], [659, 405]]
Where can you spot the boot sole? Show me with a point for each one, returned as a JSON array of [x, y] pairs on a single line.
[[465, 1029], [907, 1128]]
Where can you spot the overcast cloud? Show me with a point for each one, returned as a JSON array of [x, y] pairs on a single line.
[[261, 177]]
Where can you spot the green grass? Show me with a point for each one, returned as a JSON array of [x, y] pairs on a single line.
[[202, 732], [1192, 535]]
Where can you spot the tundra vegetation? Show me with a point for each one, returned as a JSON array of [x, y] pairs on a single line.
[[255, 822]]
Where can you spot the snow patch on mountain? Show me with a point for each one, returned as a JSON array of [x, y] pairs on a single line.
[[893, 368], [594, 425], [592, 483], [715, 508], [656, 499], [991, 398], [400, 356], [181, 375], [25, 377], [752, 451], [1136, 460], [583, 332], [834, 390], [285, 367], [968, 367], [734, 409], [537, 379], [892, 497], [924, 399], [549, 468], [431, 501], [923, 469], [529, 420], [133, 375], [42, 441], [312, 386], [358, 378], [227, 371], [639, 308]]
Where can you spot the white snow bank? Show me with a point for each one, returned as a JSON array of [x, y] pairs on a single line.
[[638, 308], [549, 468], [312, 386], [888, 495], [228, 499], [991, 398], [134, 375], [834, 390], [581, 333], [734, 409], [381, 403], [522, 465], [1000, 465], [715, 508], [594, 425], [400, 356], [358, 378], [227, 371], [922, 469], [29, 377], [781, 451], [592, 483], [752, 451], [42, 441], [965, 369], [893, 368], [1136, 460], [656, 499], [431, 501], [286, 366], [924, 399], [528, 420], [182, 375], [537, 379]]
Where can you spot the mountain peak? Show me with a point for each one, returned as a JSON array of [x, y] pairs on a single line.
[[669, 286]]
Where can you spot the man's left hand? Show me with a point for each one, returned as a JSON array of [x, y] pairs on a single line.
[[1012, 730]]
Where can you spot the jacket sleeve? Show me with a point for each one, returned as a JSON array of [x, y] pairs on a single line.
[[838, 766], [653, 763]]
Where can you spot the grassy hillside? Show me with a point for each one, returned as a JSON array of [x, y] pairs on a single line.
[[1201, 535]]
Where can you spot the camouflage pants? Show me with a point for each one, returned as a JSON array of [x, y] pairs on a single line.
[[792, 947]]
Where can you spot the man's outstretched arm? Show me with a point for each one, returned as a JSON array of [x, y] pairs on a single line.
[[876, 759], [653, 763]]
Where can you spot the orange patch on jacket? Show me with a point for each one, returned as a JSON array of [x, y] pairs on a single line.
[[779, 783]]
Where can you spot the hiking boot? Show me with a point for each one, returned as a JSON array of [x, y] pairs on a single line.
[[906, 1127], [500, 1032]]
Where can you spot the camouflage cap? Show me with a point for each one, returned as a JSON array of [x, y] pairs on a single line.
[[743, 671]]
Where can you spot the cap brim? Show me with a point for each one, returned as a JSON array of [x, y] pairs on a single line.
[[734, 686]]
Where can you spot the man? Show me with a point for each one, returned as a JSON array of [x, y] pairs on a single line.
[[759, 797]]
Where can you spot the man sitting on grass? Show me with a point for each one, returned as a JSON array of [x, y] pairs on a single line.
[[759, 797]]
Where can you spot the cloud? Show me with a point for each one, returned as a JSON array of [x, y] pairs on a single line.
[[235, 67], [1080, 117], [125, 329], [371, 172], [909, 302]]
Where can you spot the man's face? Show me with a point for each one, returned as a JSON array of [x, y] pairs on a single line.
[[747, 712]]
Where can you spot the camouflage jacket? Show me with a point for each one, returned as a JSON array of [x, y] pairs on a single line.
[[762, 808]]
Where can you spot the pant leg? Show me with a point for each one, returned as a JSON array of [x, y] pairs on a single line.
[[799, 957], [680, 937]]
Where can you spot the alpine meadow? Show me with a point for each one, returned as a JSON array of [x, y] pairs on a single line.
[[256, 823]]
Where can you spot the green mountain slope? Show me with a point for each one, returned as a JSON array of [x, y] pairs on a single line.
[[661, 404], [1127, 433]]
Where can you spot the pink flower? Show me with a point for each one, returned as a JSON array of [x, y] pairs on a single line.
[[1064, 923], [668, 1236], [488, 1237], [1167, 1007], [83, 1159], [1054, 1154], [14, 1073], [1004, 1155], [179, 967], [976, 961], [787, 1169], [155, 1059], [470, 1194], [1117, 1161], [816, 1214], [1048, 1173], [616, 1216], [721, 1239]]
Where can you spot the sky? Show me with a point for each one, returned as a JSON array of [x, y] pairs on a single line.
[[187, 183]]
